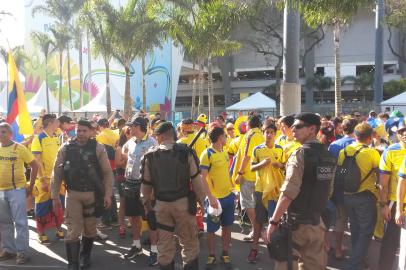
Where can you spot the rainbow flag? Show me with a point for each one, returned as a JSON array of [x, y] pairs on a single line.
[[17, 112]]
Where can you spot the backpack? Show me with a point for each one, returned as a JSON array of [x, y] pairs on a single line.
[[348, 174]]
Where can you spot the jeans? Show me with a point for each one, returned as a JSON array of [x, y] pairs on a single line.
[[361, 210], [13, 215]]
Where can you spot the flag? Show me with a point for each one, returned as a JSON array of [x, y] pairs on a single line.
[[17, 112]]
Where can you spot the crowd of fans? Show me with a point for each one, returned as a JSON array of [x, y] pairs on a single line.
[[255, 150]]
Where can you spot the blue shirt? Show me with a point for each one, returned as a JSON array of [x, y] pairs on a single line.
[[336, 146]]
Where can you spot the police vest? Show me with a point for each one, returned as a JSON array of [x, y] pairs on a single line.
[[81, 168], [170, 172], [319, 169]]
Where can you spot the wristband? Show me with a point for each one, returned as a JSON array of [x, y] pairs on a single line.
[[276, 223]]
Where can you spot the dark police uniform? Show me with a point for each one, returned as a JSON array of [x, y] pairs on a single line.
[[85, 169]]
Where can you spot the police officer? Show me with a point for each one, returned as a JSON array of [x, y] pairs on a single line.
[[304, 194], [83, 164], [169, 170]]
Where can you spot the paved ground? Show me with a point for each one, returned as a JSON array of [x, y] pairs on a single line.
[[108, 255]]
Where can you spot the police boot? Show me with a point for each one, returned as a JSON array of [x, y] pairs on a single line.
[[72, 254], [192, 265], [87, 244], [170, 266]]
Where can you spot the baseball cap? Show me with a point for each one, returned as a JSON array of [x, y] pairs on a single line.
[[137, 121], [163, 127], [103, 122]]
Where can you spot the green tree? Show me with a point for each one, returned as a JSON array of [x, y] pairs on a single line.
[[362, 83], [336, 14], [396, 21], [393, 88], [60, 39], [204, 29], [127, 40], [94, 16], [44, 43], [63, 11], [321, 83]]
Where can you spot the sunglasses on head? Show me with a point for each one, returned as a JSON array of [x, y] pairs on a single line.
[[299, 126]]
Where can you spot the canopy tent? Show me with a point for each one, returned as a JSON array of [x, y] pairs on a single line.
[[257, 102], [395, 103], [3, 100], [39, 102], [98, 103]]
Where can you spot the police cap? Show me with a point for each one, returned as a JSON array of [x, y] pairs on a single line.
[[138, 121], [163, 127]]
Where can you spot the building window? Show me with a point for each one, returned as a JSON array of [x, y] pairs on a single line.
[[364, 69]]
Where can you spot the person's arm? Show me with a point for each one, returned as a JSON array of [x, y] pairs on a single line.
[[383, 194], [107, 173], [120, 159], [400, 196], [262, 164], [56, 178], [34, 170], [206, 182]]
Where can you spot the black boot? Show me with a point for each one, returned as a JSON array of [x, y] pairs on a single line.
[[192, 265], [87, 244], [72, 254], [170, 266]]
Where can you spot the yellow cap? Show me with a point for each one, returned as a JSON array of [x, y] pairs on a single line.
[[202, 118]]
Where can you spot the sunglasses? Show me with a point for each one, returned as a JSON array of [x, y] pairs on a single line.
[[299, 126], [230, 129]]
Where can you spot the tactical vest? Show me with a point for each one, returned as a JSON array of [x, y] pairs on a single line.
[[319, 169], [170, 172], [81, 168]]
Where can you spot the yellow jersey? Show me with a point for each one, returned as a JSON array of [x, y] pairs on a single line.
[[12, 159], [391, 160], [200, 145], [251, 139], [269, 179], [367, 160], [47, 146], [218, 179], [108, 137]]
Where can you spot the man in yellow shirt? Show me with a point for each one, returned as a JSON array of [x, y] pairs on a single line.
[[389, 165], [266, 161], [45, 147], [214, 168], [187, 128], [400, 214], [13, 212], [361, 205], [245, 177]]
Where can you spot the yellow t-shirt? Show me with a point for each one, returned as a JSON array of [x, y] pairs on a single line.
[[402, 169], [46, 146], [252, 139], [216, 163], [200, 145], [367, 160], [269, 178], [288, 148], [107, 137], [281, 139], [234, 145], [12, 159], [390, 163]]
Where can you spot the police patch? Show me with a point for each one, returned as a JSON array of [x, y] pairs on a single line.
[[325, 173]]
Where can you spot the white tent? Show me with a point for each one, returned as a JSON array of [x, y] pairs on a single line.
[[39, 102], [98, 103], [395, 103], [3, 100], [257, 102]]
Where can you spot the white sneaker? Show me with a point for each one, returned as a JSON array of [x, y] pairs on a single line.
[[101, 236]]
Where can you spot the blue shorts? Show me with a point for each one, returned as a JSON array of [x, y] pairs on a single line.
[[227, 215]]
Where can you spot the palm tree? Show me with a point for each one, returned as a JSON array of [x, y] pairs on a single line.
[[336, 14], [362, 83], [321, 83], [63, 11], [78, 42], [94, 17], [127, 40], [61, 37], [204, 30], [44, 43]]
